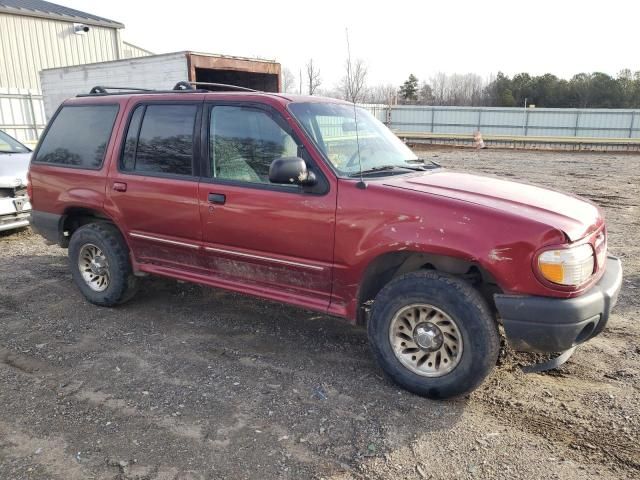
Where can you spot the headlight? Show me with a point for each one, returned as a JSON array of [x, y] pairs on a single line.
[[569, 266]]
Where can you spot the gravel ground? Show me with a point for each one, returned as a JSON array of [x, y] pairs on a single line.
[[187, 382]]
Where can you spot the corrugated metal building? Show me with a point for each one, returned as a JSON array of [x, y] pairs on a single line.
[[35, 35]]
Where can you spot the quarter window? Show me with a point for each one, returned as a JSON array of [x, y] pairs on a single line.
[[160, 140], [78, 136], [243, 143], [131, 143]]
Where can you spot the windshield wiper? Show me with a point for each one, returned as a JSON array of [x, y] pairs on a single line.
[[386, 168], [422, 162], [381, 168]]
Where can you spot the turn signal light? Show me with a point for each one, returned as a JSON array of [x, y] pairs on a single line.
[[569, 266]]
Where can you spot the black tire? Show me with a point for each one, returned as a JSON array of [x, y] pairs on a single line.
[[466, 308], [122, 284]]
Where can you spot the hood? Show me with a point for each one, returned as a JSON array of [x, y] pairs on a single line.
[[572, 215], [13, 169]]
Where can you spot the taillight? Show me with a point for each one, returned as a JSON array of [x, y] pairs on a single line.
[[29, 186]]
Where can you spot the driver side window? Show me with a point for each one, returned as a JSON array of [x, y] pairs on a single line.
[[243, 143]]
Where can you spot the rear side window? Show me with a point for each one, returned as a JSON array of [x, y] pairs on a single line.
[[160, 140], [78, 136]]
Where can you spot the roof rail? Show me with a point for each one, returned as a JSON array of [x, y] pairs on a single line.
[[100, 91], [103, 90], [209, 84], [182, 86]]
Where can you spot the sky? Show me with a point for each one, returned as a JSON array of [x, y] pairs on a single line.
[[563, 37]]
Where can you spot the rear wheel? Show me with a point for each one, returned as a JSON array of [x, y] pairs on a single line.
[[433, 334], [100, 266]]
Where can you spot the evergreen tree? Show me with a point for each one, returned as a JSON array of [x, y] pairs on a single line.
[[506, 98], [409, 90]]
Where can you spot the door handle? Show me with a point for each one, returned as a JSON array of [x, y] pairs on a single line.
[[218, 198], [120, 186]]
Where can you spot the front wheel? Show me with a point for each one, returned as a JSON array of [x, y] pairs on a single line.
[[100, 266], [433, 334]]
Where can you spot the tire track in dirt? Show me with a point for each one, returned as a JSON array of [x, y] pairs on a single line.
[[48, 455], [552, 427], [589, 437]]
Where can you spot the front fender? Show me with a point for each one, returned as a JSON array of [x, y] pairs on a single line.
[[381, 221]]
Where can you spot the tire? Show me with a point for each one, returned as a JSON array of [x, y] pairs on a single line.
[[102, 241], [407, 303]]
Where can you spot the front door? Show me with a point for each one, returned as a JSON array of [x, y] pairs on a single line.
[[154, 189], [275, 240]]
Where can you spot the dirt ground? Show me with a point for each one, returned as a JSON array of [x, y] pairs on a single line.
[[187, 382]]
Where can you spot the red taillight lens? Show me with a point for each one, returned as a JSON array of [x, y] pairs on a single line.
[[29, 186]]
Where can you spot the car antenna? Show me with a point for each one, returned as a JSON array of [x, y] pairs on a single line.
[[361, 184]]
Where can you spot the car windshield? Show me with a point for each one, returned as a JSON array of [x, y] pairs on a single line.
[[333, 127], [10, 145]]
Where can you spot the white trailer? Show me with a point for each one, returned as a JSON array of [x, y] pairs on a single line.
[[158, 72]]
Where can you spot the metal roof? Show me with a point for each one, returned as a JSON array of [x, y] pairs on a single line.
[[42, 9]]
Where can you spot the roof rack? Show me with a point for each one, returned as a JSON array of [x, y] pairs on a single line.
[[182, 86], [103, 90], [209, 84]]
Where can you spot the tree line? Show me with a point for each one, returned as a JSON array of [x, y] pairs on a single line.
[[584, 90]]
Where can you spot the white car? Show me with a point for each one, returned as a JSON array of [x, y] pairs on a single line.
[[15, 207]]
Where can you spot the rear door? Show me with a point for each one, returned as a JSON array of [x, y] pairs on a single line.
[[274, 240], [154, 187]]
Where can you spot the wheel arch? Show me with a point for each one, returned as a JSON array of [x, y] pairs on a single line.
[[387, 266], [75, 217]]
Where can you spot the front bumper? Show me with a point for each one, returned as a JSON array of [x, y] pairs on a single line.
[[543, 324], [10, 216]]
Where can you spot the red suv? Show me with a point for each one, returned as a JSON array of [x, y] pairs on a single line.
[[313, 202]]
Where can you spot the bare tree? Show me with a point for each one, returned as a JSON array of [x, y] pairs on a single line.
[[457, 89], [438, 88], [354, 83], [383, 93], [288, 81], [425, 94], [313, 77]]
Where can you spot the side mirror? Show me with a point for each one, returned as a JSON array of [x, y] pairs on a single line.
[[290, 171]]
